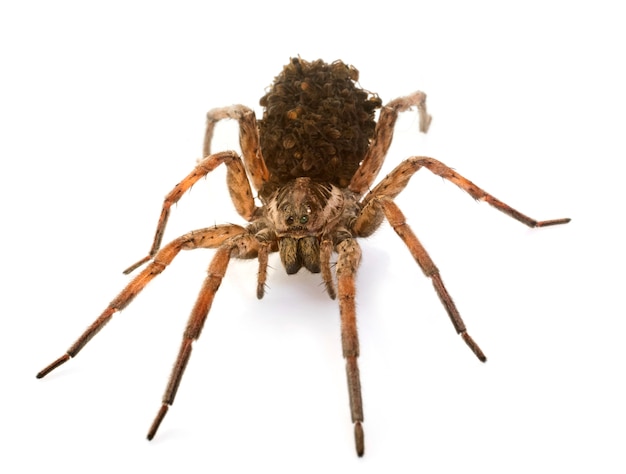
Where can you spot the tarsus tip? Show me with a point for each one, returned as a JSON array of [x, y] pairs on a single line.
[[359, 438]]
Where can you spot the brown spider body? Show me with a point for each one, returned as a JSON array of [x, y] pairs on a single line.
[[312, 160]]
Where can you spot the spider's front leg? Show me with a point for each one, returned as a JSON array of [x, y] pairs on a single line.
[[244, 245], [349, 256], [216, 272], [203, 238]]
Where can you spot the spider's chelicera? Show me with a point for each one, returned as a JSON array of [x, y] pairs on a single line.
[[311, 161]]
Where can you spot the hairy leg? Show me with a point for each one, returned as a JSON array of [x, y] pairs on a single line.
[[238, 185], [398, 222], [349, 256], [203, 238], [398, 179], [373, 161], [248, 139], [216, 272]]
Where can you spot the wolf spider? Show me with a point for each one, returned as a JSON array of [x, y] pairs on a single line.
[[311, 160]]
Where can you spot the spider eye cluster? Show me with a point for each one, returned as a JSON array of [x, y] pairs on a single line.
[[297, 219], [290, 220], [297, 216]]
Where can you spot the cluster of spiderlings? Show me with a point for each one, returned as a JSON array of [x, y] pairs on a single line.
[[317, 123]]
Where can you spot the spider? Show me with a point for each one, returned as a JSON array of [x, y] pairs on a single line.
[[311, 160]]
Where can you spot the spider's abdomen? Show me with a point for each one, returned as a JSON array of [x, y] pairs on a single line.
[[317, 123]]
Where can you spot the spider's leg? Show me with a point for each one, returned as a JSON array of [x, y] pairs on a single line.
[[349, 256], [373, 161], [248, 139], [238, 185], [203, 238], [245, 246], [397, 180], [398, 222]]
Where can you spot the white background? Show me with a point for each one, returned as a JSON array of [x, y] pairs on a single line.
[[102, 112]]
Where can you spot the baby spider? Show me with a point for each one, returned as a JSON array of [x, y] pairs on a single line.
[[312, 160]]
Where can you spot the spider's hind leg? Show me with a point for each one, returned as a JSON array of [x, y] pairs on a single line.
[[375, 157], [248, 139]]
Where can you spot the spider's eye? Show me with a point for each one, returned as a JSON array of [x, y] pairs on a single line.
[[289, 220], [304, 219]]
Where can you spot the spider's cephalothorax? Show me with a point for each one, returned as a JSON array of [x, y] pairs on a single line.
[[302, 212], [312, 161]]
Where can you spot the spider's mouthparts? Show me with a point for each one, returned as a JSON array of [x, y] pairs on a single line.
[[296, 232]]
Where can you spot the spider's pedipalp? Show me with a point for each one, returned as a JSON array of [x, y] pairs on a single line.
[[326, 250], [263, 257]]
